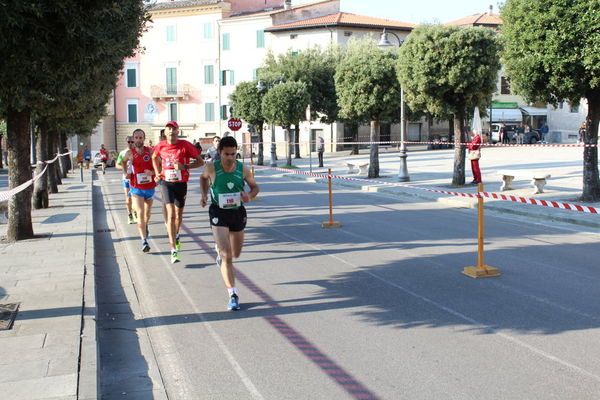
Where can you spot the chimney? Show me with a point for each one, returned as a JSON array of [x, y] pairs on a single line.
[[287, 5], [491, 9]]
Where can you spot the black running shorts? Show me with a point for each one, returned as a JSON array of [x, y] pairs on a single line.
[[174, 193], [235, 220]]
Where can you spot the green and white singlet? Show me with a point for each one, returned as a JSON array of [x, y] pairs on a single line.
[[225, 190]]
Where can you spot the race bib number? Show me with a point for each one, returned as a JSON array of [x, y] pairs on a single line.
[[230, 200], [172, 175], [142, 178]]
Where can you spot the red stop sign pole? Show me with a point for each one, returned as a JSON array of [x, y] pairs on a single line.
[[234, 124]]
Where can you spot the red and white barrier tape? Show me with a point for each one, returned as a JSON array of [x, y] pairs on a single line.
[[498, 196], [398, 142], [5, 195]]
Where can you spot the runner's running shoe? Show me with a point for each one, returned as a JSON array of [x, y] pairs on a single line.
[[135, 217], [145, 246], [234, 303], [218, 255], [175, 257], [177, 243], [130, 219]]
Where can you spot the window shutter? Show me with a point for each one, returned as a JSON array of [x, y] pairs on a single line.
[[131, 78], [260, 39], [226, 39]]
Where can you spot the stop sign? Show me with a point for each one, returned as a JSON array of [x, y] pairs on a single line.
[[234, 124]]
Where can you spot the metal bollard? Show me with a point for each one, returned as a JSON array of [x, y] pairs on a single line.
[[81, 173]]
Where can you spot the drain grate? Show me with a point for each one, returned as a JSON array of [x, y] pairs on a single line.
[[8, 313], [104, 230]]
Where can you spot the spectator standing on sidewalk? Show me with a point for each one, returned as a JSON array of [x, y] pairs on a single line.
[[544, 131], [213, 152], [320, 149], [474, 156], [582, 131]]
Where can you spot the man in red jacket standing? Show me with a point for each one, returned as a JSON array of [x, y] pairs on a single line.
[[474, 156]]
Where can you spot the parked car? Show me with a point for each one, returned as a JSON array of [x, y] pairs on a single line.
[[112, 159], [510, 132], [533, 136]]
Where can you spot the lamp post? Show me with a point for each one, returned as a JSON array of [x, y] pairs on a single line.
[[384, 44], [273, 162]]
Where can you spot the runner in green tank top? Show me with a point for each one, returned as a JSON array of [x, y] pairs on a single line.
[[225, 180]]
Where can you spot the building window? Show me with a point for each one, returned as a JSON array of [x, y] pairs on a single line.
[[260, 39], [172, 108], [224, 112], [294, 53], [171, 80], [226, 41], [171, 33], [504, 85], [209, 74], [132, 110], [209, 112], [131, 77], [227, 77], [293, 36], [347, 33], [208, 31], [255, 74]]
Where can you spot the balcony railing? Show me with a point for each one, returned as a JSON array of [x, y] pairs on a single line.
[[166, 92]]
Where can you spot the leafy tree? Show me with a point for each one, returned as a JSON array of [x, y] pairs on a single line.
[[368, 89], [246, 101], [316, 68], [450, 70], [46, 48], [284, 105], [551, 54]]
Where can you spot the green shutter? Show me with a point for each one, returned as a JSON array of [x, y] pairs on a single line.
[[260, 39], [209, 73], [223, 79], [223, 112], [171, 80], [207, 30], [255, 74], [131, 78], [226, 44], [209, 111], [131, 113], [231, 77]]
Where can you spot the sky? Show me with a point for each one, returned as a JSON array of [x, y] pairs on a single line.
[[415, 11]]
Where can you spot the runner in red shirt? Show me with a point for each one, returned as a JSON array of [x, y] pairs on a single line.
[[103, 158], [172, 160], [142, 183]]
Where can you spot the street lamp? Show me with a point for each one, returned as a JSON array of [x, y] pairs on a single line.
[[273, 162], [385, 44]]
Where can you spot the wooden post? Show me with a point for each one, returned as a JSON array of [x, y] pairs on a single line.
[[481, 270], [331, 223]]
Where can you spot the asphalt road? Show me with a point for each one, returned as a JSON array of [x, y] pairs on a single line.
[[374, 309]]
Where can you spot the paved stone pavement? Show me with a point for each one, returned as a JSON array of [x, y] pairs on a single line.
[[50, 353]]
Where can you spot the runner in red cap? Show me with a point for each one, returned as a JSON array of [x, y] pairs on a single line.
[[172, 160]]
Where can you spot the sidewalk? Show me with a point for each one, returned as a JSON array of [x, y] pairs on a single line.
[[432, 169], [50, 352]]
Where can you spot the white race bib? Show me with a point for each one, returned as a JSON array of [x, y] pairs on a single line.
[[142, 178], [172, 175], [230, 200]]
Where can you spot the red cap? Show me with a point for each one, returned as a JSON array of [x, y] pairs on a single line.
[[173, 124]]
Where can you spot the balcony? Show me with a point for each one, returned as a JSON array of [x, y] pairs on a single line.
[[170, 92]]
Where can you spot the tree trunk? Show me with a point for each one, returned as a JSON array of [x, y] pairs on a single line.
[[65, 164], [591, 184], [1, 158], [261, 148], [374, 154], [54, 151], [297, 140], [40, 187], [458, 178], [52, 184], [290, 145], [19, 149], [354, 132]]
